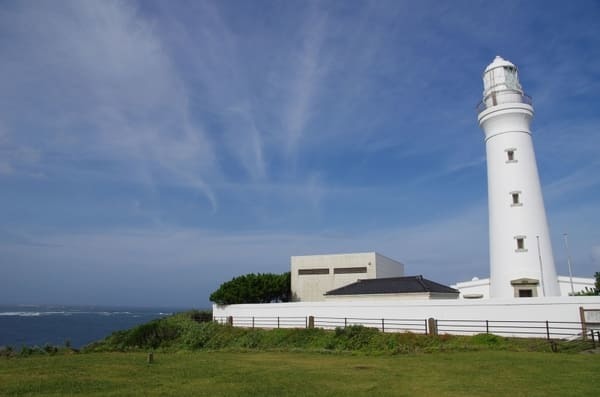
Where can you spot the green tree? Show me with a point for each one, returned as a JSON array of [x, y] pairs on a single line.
[[254, 288]]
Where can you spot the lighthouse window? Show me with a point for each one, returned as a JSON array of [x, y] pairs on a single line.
[[516, 199], [520, 244], [510, 155]]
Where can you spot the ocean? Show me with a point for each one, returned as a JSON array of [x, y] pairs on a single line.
[[37, 325]]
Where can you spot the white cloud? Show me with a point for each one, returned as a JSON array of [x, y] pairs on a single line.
[[98, 82], [305, 81]]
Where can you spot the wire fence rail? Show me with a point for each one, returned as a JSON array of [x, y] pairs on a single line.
[[529, 329]]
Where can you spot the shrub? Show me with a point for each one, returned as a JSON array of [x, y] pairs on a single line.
[[487, 340], [201, 316]]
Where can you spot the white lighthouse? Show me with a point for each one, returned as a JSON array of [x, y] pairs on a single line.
[[521, 259]]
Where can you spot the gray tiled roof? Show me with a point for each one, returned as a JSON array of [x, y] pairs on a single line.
[[392, 285]]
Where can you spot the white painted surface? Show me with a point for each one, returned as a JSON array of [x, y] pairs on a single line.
[[553, 309], [579, 284], [482, 286], [310, 288], [506, 124], [473, 288], [387, 267]]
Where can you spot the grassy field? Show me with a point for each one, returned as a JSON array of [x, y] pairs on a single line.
[[482, 373]]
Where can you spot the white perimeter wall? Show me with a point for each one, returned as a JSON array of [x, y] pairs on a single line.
[[483, 286], [473, 287], [555, 309], [579, 284]]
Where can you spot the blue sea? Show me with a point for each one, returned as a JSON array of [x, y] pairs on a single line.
[[37, 325]]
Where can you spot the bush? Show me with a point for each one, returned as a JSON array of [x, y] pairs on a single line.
[[490, 340], [201, 316], [354, 337]]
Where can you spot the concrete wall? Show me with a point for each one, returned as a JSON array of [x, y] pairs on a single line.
[[579, 284], [474, 288], [553, 309], [386, 267], [482, 286], [312, 287]]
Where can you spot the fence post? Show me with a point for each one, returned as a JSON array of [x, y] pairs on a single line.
[[230, 321], [345, 322], [547, 330], [487, 327], [252, 321], [582, 318], [382, 325], [277, 321], [432, 325], [311, 321], [426, 333], [593, 339]]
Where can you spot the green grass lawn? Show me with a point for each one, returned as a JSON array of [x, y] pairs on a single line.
[[483, 373]]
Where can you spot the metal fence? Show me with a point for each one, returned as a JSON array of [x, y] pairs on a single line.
[[528, 329], [531, 329], [265, 322], [383, 324]]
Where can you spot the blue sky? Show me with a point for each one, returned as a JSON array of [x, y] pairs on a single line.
[[151, 150]]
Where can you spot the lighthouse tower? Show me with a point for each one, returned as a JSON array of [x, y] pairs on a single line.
[[521, 260]]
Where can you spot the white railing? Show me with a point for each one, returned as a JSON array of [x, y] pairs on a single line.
[[502, 97]]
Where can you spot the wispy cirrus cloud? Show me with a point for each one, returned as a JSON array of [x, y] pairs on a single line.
[[95, 79], [307, 70]]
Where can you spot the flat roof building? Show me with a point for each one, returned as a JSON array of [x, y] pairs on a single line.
[[314, 275]]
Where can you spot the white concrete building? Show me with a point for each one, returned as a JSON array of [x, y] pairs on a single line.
[[521, 258], [475, 289], [480, 288], [314, 275]]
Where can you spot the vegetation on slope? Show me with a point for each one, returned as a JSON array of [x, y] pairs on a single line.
[[182, 332]]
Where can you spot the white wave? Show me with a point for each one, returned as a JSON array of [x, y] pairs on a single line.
[[75, 312], [20, 314]]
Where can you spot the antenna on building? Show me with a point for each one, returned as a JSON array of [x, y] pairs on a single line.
[[566, 236], [541, 266]]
